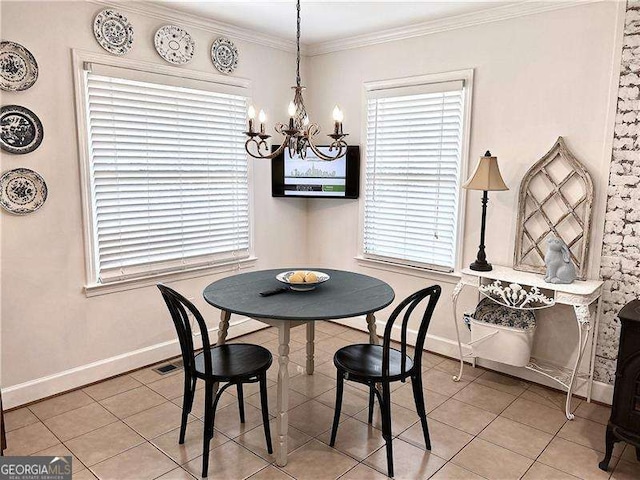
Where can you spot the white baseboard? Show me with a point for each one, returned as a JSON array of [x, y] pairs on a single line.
[[73, 378], [601, 392]]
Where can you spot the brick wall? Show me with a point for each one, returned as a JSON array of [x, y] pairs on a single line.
[[621, 249]]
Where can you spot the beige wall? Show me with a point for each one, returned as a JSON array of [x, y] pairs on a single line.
[[536, 77], [48, 324]]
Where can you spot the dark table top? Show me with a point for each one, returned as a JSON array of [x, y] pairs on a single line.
[[344, 295]]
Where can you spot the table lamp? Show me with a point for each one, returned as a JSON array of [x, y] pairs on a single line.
[[485, 177]]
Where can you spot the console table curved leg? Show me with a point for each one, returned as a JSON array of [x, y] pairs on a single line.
[[371, 325], [583, 317], [454, 303], [311, 334], [282, 415]]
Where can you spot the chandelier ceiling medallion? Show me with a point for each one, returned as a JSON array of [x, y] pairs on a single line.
[[299, 132]]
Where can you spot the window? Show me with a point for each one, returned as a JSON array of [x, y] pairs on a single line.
[[415, 146], [167, 173]]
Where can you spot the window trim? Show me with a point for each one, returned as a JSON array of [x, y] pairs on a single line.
[[464, 75], [92, 287]]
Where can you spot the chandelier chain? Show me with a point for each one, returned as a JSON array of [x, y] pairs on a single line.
[[298, 46]]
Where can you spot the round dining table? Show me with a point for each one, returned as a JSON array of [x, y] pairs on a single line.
[[344, 295]]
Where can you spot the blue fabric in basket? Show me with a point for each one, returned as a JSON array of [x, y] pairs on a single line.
[[491, 312]]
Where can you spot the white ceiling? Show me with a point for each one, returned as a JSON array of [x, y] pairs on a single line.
[[328, 20]]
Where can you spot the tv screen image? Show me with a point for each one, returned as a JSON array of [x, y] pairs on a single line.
[[313, 177]]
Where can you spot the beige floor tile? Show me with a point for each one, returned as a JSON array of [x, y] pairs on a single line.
[[446, 441], [355, 336], [491, 461], [549, 397], [462, 416], [111, 387], [311, 417], [19, 418], [354, 438], [60, 404], [192, 446], [171, 387], [401, 418], [139, 463], [176, 474], [594, 412], [197, 409], [629, 453], [83, 475], [574, 459], [79, 421], [517, 437], [452, 367], [333, 344], [320, 357], [588, 434], [535, 415], [362, 472], [503, 383], [157, 420], [409, 462], [486, 398], [148, 375], [273, 347], [255, 441], [226, 462], [354, 400], [311, 385], [104, 443], [626, 471], [295, 399], [317, 461], [133, 401], [331, 328], [430, 360], [451, 471], [293, 368], [540, 471], [60, 450], [249, 389], [270, 473], [403, 396], [441, 382], [228, 419], [327, 368]]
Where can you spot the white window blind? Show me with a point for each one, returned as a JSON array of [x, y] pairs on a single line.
[[168, 176], [414, 146]]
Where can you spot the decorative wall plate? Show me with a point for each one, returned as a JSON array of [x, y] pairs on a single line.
[[21, 130], [113, 31], [224, 55], [23, 191], [18, 67], [174, 44]]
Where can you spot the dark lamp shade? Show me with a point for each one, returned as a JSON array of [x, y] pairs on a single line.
[[486, 176]]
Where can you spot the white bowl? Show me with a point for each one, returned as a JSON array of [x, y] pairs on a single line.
[[302, 287]]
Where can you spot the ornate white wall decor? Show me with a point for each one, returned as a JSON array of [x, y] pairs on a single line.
[[556, 196], [620, 267]]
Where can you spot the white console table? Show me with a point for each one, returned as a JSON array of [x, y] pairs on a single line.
[[529, 291]]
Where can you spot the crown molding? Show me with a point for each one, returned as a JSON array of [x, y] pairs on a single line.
[[160, 12], [503, 12]]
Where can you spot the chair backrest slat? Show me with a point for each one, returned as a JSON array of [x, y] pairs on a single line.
[[408, 305], [179, 308]]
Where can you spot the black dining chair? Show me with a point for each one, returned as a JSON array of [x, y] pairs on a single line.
[[378, 365], [234, 364]]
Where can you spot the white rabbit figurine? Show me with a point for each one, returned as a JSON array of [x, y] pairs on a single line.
[[560, 269]]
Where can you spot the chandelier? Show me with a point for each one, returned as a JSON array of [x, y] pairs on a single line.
[[299, 132]]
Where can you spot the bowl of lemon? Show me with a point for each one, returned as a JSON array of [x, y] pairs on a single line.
[[302, 280]]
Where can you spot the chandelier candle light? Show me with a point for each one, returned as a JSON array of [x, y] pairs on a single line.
[[299, 132], [486, 177]]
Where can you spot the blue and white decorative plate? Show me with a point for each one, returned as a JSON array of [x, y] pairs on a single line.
[[21, 130], [113, 31], [18, 67], [174, 44], [224, 55], [23, 191]]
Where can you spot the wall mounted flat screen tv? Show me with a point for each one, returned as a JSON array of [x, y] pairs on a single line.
[[315, 178]]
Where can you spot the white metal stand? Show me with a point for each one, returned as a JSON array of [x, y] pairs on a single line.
[[528, 291]]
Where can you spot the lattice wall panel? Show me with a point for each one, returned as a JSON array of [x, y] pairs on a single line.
[[555, 199]]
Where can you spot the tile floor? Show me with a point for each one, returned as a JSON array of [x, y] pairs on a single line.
[[487, 426]]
